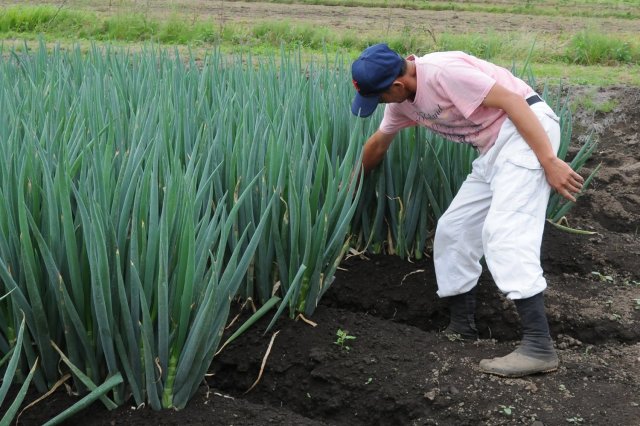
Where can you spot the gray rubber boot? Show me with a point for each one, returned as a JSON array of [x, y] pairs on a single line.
[[462, 324], [535, 353]]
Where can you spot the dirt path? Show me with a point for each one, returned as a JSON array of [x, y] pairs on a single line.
[[358, 19]]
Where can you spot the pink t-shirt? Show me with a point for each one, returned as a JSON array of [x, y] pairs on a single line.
[[451, 88]]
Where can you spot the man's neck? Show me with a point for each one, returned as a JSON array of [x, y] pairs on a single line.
[[411, 80]]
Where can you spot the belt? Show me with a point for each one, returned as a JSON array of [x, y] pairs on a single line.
[[534, 99]]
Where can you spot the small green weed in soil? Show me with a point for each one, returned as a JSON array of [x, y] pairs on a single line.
[[343, 336]]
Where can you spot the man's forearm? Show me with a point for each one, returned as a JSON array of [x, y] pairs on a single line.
[[559, 174], [374, 150], [533, 133]]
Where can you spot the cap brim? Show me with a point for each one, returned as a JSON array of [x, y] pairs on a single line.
[[363, 106]]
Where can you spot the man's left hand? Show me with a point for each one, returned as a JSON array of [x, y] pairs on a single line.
[[563, 179]]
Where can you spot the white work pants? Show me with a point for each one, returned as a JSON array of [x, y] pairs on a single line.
[[499, 212]]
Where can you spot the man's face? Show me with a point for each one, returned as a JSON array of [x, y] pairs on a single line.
[[397, 93]]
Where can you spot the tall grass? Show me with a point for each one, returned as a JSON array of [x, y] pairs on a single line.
[[592, 48]]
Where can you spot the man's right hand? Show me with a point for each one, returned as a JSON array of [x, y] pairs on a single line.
[[374, 150]]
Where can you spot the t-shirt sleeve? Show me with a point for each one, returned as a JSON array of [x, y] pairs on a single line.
[[394, 120], [466, 86]]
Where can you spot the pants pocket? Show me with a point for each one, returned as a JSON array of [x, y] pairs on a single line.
[[521, 186]]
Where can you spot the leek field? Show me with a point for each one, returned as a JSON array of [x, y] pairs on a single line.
[[185, 237]]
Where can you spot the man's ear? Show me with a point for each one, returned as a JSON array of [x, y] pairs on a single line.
[[397, 84]]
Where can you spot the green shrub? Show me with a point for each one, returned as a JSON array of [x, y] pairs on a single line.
[[592, 48], [132, 27]]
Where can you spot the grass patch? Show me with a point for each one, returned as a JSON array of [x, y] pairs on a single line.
[[585, 75], [585, 48], [75, 24], [306, 35], [589, 101], [30, 19], [592, 48]]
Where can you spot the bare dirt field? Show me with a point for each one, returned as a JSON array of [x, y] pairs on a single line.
[[359, 19], [399, 369]]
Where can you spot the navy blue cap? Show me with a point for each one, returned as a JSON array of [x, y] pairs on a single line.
[[373, 73]]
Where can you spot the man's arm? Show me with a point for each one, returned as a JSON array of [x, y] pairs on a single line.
[[559, 174], [375, 149]]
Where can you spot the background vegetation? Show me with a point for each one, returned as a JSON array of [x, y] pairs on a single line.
[[584, 53]]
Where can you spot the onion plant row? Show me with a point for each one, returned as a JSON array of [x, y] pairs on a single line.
[[141, 193]]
